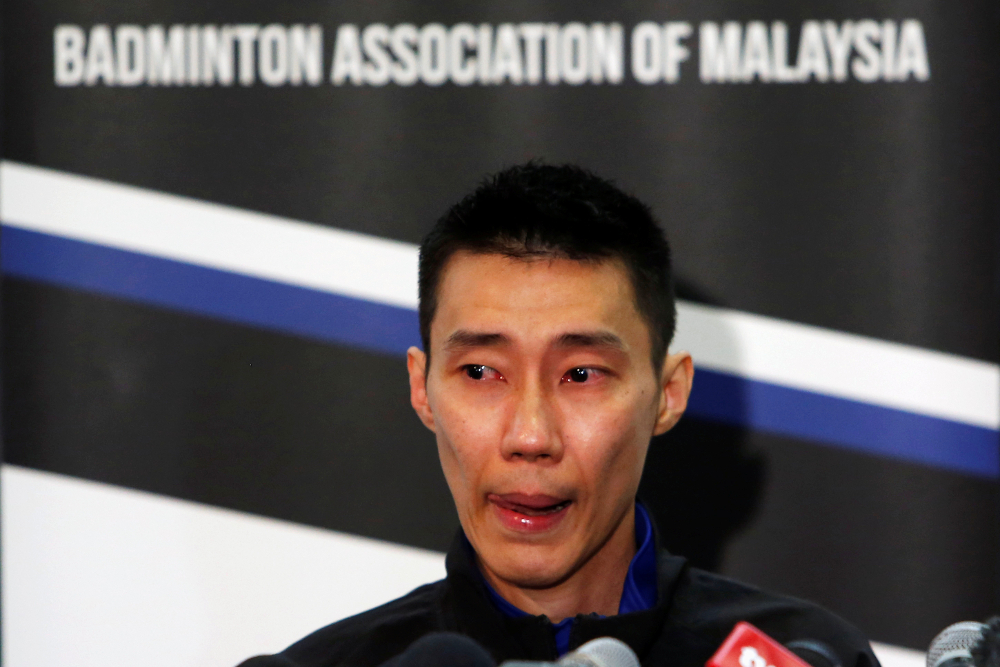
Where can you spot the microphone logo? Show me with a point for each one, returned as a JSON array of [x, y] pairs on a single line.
[[747, 646], [749, 657]]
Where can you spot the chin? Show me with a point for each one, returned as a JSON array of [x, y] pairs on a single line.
[[530, 567]]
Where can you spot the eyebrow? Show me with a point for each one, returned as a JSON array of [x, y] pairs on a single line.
[[591, 339], [463, 338]]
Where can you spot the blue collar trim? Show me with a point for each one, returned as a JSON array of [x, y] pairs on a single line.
[[641, 591]]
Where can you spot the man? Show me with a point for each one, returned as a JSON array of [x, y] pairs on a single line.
[[546, 312]]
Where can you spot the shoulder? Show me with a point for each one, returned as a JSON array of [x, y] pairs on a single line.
[[707, 606], [373, 636]]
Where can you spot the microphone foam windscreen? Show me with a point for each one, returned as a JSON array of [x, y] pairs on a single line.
[[955, 641], [605, 652]]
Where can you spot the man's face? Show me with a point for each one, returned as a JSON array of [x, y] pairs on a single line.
[[543, 398]]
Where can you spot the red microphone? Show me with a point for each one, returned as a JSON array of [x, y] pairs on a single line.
[[746, 646]]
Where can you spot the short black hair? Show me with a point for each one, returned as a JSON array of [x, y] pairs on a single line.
[[539, 210]]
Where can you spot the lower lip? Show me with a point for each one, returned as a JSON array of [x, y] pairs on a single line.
[[524, 523]]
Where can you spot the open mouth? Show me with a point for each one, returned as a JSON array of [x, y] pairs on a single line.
[[530, 512]]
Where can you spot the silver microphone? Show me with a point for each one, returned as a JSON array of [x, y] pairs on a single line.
[[601, 652], [953, 645]]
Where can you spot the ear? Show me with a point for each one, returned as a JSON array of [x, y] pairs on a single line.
[[416, 365], [675, 386]]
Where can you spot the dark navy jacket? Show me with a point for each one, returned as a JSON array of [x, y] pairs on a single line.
[[694, 613]]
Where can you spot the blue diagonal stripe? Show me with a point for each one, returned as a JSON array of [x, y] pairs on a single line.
[[845, 423], [204, 291], [334, 318]]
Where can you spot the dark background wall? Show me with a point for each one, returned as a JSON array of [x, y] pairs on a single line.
[[867, 208]]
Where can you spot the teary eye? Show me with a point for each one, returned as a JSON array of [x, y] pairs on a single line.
[[578, 375], [480, 372]]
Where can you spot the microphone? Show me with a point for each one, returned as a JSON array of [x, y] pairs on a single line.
[[601, 652], [815, 652], [747, 646], [967, 644], [442, 649], [267, 661], [987, 652]]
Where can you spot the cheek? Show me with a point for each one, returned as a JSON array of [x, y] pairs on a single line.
[[452, 468], [611, 440], [467, 439]]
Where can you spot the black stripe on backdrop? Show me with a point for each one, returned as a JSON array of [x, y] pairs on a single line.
[[868, 208], [863, 207], [322, 435]]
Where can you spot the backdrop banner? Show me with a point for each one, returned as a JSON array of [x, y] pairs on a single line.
[[210, 216]]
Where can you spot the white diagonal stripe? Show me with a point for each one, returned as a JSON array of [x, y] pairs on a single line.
[[367, 267], [841, 364], [98, 575], [95, 574], [222, 237], [898, 656]]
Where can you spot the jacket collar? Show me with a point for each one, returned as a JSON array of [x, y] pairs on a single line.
[[470, 610]]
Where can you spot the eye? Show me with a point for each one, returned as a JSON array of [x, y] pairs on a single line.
[[581, 374], [480, 372]]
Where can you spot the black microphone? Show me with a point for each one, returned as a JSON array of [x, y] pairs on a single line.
[[442, 649], [967, 644], [987, 652], [267, 661], [749, 646], [815, 652]]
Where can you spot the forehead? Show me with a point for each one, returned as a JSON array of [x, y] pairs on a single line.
[[536, 299]]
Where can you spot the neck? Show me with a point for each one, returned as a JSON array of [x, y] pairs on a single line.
[[595, 587]]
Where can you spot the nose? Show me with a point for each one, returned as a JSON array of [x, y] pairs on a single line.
[[532, 434]]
